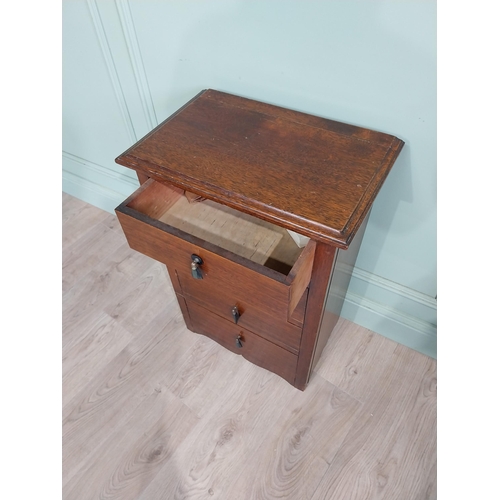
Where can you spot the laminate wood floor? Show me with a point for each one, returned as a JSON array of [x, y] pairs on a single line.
[[153, 411]]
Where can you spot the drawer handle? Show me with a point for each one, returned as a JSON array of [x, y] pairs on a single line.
[[236, 314], [239, 342], [195, 267]]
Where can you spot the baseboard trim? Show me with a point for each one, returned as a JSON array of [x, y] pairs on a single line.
[[89, 182], [392, 310], [393, 287]]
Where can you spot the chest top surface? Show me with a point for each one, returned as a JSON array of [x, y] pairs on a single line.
[[315, 176]]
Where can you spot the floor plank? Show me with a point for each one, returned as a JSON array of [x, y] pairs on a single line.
[[119, 388], [133, 454], [78, 261], [215, 452], [389, 452], [102, 286], [91, 352], [78, 218], [139, 302], [355, 358], [153, 411], [301, 445]]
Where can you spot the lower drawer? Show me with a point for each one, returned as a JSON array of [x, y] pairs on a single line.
[[260, 311], [255, 349]]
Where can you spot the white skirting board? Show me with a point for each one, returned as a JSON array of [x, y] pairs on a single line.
[[86, 181], [392, 310]]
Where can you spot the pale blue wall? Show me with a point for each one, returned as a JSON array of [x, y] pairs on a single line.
[[128, 64]]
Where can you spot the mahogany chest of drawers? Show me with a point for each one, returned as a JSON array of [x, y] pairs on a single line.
[[259, 171]]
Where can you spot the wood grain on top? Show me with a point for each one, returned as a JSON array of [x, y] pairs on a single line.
[[315, 176]]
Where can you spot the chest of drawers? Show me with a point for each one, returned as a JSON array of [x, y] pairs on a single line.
[[260, 170]]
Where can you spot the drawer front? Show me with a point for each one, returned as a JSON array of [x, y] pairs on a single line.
[[252, 347], [261, 305], [262, 302]]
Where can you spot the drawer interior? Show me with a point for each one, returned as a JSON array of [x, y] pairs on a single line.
[[242, 234]]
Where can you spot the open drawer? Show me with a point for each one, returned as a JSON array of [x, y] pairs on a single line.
[[239, 267]]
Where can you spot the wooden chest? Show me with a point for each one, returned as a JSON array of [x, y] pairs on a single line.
[[239, 276]]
